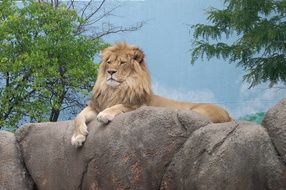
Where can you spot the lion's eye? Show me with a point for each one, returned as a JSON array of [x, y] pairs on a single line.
[[108, 62], [122, 62]]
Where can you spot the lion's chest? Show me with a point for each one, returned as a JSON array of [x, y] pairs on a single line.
[[111, 97]]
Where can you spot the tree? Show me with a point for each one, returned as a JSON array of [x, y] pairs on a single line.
[[47, 51], [42, 61], [250, 33]]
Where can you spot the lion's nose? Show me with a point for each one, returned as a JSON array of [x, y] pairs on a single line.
[[111, 72]]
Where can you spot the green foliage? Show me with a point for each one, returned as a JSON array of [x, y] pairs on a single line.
[[42, 61], [257, 117], [259, 27]]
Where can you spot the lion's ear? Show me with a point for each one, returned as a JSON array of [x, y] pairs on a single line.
[[138, 55]]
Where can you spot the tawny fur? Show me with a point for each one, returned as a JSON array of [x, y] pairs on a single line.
[[129, 89]]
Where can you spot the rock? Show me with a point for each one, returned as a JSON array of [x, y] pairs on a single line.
[[12, 172], [275, 123], [131, 152], [152, 148], [226, 156]]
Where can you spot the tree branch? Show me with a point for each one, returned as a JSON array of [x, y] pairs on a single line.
[[94, 12], [113, 29], [105, 14], [71, 4], [85, 8]]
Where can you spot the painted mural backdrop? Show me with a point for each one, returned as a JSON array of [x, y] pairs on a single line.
[[167, 39]]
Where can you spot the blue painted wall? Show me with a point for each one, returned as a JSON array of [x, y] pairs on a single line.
[[166, 39]]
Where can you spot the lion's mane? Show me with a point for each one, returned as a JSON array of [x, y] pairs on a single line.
[[135, 90]]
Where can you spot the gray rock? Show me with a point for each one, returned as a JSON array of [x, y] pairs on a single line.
[[131, 152], [226, 156], [12, 172], [152, 148], [275, 123]]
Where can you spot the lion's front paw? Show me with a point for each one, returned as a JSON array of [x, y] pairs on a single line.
[[105, 117], [78, 139]]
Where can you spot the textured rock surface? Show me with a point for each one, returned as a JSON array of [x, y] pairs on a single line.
[[12, 172], [132, 152], [149, 148], [275, 123], [226, 156], [152, 148]]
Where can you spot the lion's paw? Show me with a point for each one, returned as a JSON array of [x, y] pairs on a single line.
[[77, 140], [105, 117]]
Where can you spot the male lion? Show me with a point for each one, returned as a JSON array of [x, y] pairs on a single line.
[[123, 84]]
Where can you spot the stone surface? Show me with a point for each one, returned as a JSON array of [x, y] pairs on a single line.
[[131, 152], [275, 123], [226, 156], [12, 172], [152, 148]]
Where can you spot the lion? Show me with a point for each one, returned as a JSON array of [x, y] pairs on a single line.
[[123, 84]]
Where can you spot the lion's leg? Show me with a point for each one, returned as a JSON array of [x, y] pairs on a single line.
[[215, 113], [109, 113], [80, 131]]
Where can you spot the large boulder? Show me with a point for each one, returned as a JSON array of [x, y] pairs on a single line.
[[13, 174], [132, 152], [275, 123], [226, 157], [152, 148]]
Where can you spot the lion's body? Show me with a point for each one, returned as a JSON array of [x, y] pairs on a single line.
[[123, 84], [215, 113]]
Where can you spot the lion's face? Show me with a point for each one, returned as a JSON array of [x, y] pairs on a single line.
[[120, 63], [117, 68]]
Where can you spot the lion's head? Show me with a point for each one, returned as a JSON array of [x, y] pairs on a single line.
[[123, 78]]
